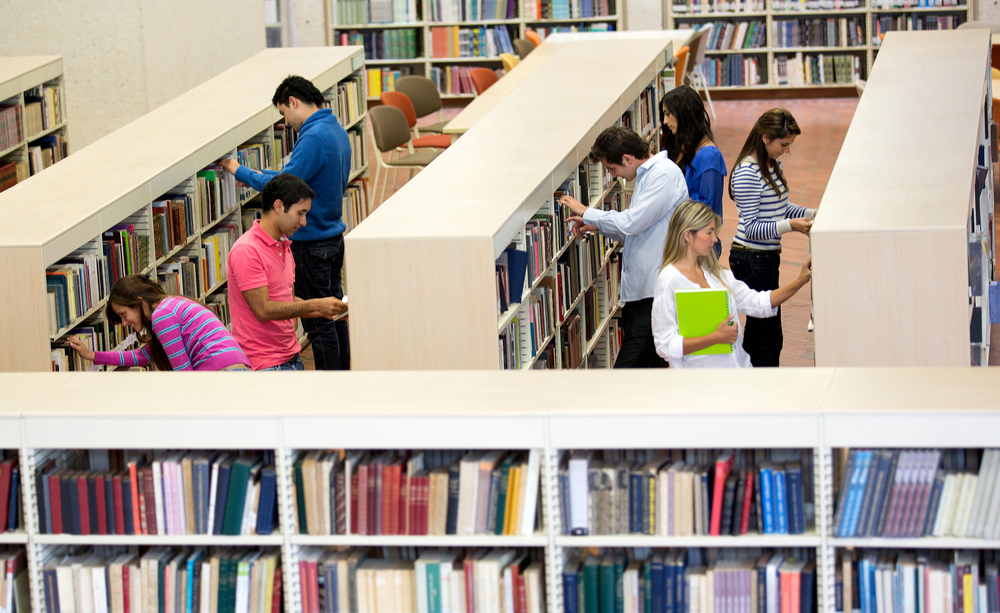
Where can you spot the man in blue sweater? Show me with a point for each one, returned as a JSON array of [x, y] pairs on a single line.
[[321, 157]]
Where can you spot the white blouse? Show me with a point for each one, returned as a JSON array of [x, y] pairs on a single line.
[[670, 344]]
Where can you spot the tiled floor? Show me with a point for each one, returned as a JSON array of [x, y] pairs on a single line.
[[824, 124]]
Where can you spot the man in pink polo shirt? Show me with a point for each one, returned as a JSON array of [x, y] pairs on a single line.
[[261, 273]]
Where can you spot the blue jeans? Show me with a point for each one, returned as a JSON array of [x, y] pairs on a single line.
[[317, 275], [762, 338], [293, 364]]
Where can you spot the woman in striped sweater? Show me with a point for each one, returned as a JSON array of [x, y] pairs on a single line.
[[760, 190], [177, 333]]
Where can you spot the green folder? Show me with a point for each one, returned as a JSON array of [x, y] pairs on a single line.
[[699, 312]]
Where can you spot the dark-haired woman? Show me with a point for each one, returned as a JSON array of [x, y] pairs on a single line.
[[688, 140], [759, 187], [177, 333]]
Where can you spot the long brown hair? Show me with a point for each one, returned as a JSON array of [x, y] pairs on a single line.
[[693, 124], [691, 215], [776, 123], [131, 292]]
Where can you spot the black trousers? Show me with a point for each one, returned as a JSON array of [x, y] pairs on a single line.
[[762, 338], [317, 275], [638, 349]]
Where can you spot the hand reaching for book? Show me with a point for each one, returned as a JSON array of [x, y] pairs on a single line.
[[574, 205], [579, 228], [330, 307], [80, 348]]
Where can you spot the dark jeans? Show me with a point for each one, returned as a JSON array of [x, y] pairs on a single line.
[[317, 275], [638, 349], [762, 338]]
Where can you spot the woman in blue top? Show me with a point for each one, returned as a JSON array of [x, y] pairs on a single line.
[[687, 138]]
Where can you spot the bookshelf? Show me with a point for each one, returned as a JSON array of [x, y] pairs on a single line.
[[33, 106], [872, 17], [817, 410], [910, 249], [410, 30], [552, 45], [77, 204], [456, 218]]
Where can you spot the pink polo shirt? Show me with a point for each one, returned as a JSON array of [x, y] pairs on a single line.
[[257, 260]]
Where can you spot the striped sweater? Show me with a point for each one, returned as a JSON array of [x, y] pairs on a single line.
[[192, 337], [764, 215]]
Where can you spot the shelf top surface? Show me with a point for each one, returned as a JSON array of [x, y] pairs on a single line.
[[484, 178], [909, 158], [554, 43], [15, 67], [130, 158]]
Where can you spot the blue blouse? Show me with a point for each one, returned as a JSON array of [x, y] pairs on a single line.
[[704, 177]]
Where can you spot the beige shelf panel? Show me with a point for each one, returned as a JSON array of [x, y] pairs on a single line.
[[890, 247], [18, 74]]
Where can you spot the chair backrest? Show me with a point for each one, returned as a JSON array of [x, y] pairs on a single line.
[[680, 64], [423, 94], [509, 61], [995, 74], [482, 79], [523, 47], [697, 45], [389, 127], [533, 37], [402, 102]]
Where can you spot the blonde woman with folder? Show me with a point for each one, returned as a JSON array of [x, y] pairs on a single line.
[[696, 301]]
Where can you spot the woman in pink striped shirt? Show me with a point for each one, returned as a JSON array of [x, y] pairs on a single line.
[[177, 333]]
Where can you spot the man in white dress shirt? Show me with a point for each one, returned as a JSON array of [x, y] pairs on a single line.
[[659, 189]]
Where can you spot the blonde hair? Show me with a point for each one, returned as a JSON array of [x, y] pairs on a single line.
[[693, 216]]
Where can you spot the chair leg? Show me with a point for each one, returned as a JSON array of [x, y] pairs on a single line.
[[704, 85], [385, 178]]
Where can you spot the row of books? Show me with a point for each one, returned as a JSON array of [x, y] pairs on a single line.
[[10, 493], [587, 27], [511, 269], [173, 222], [126, 251], [691, 581], [908, 23], [903, 4], [284, 141], [34, 121], [46, 151], [388, 44], [917, 581], [215, 252], [828, 32], [218, 304], [453, 41], [354, 207], [665, 495], [11, 127], [539, 244], [49, 96], [64, 359], [535, 326], [361, 12], [359, 148], [200, 580], [562, 234], [416, 493], [819, 69], [74, 286], [569, 343], [384, 79], [577, 269], [568, 9], [348, 101], [182, 276], [255, 156], [405, 581], [728, 35], [643, 113], [12, 173], [509, 345], [903, 493], [158, 493], [471, 10], [453, 80], [732, 71], [602, 294], [15, 590], [708, 7]]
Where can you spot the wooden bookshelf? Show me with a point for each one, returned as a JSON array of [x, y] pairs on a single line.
[[816, 410], [19, 76], [903, 244], [115, 180], [550, 47], [423, 63], [772, 12], [427, 295]]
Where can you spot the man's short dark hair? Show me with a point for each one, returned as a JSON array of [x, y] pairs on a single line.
[[614, 143], [287, 188], [300, 88]]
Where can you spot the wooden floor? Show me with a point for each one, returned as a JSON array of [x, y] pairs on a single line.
[[824, 123]]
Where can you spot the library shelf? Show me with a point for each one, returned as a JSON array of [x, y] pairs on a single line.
[[416, 60], [642, 540], [928, 542], [19, 537], [161, 540], [443, 540], [941, 218], [36, 77]]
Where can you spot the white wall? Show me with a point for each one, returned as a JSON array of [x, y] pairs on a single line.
[[123, 58]]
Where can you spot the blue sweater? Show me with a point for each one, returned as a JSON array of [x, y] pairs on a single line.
[[322, 158]]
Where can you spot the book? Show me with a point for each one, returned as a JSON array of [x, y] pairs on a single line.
[[699, 313]]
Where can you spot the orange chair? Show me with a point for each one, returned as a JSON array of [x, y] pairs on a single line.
[[533, 37], [680, 59], [482, 79], [402, 102]]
